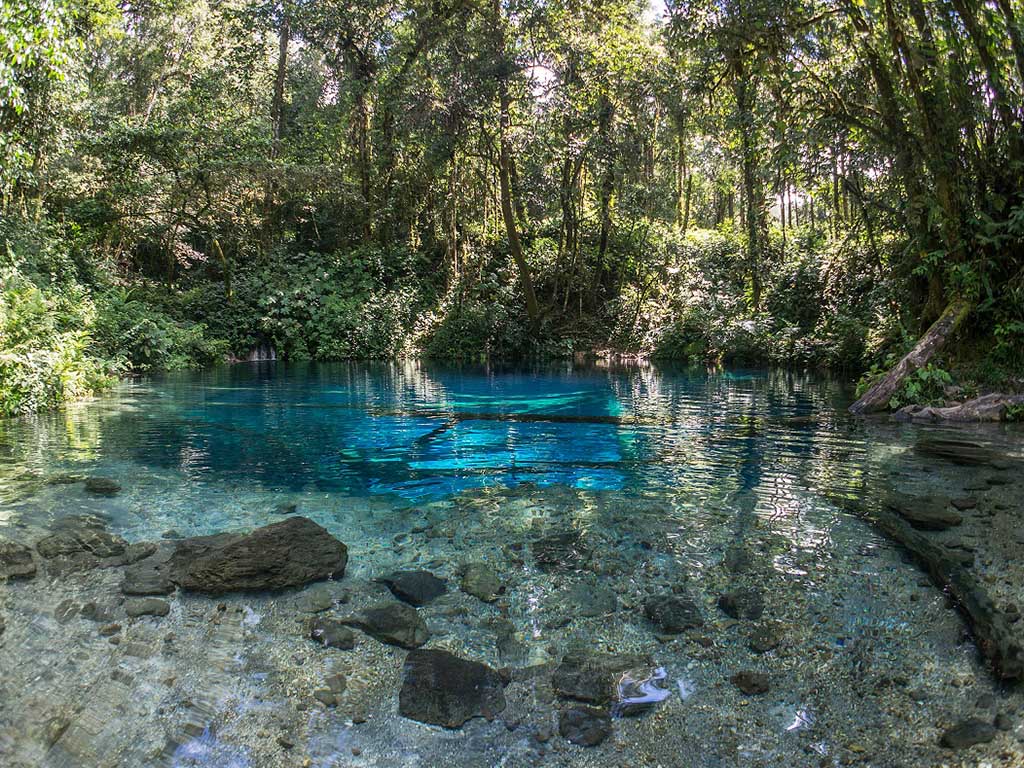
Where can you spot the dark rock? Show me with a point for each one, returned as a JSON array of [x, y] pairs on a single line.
[[82, 537], [102, 486], [480, 581], [966, 503], [968, 733], [743, 603], [107, 630], [926, 513], [674, 613], [584, 726], [963, 452], [147, 606], [766, 637], [287, 508], [3, 626], [392, 623], [139, 551], [590, 600], [591, 676], [285, 741], [331, 633], [291, 553], [1003, 722], [151, 575], [737, 559], [510, 650], [15, 560], [415, 587], [751, 683], [561, 552], [441, 689]]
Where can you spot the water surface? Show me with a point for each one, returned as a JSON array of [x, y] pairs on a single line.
[[679, 480]]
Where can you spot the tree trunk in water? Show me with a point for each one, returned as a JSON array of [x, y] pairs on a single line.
[[881, 392]]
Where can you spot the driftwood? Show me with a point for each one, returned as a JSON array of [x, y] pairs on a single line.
[[880, 393], [992, 407], [989, 625]]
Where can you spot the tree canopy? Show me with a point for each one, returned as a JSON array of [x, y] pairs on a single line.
[[805, 182]]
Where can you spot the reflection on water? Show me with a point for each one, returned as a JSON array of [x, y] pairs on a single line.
[[666, 482], [424, 433]]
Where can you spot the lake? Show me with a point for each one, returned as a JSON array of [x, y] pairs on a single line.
[[695, 545]]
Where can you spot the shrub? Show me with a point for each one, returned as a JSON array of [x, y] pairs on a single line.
[[44, 346]]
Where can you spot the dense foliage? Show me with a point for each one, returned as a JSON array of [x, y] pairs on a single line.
[[804, 182]]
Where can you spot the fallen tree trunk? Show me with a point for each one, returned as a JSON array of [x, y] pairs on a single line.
[[881, 392], [990, 626]]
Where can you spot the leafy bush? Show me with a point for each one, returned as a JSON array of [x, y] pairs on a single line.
[[140, 337], [45, 346], [925, 386]]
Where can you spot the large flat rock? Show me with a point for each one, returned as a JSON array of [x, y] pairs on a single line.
[[441, 689], [291, 553]]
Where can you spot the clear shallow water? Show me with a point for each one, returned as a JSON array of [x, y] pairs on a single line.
[[664, 471], [426, 433]]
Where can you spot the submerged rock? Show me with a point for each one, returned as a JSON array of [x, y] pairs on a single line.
[[926, 513], [102, 486], [392, 623], [745, 603], [480, 581], [510, 650], [674, 613], [561, 552], [415, 587], [441, 689], [737, 559], [150, 576], [751, 683], [968, 733], [766, 637], [291, 553], [331, 633], [330, 695], [147, 606], [584, 726], [590, 600], [963, 452], [15, 560], [85, 541], [591, 676]]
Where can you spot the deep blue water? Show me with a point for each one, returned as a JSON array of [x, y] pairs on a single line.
[[424, 431]]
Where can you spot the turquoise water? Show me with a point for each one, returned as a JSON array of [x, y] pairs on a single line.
[[678, 481], [429, 432]]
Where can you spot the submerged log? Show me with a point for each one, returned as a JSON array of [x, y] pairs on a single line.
[[881, 392], [990, 626]]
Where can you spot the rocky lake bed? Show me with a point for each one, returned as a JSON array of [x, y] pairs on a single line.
[[255, 569], [524, 626]]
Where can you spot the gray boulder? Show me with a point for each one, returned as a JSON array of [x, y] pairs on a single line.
[[441, 689]]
